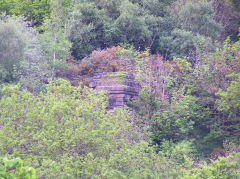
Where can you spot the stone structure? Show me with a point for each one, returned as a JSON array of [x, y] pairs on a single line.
[[121, 87]]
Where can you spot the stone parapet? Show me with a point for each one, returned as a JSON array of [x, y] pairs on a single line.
[[121, 87]]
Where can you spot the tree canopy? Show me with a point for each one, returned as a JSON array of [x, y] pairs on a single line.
[[177, 61]]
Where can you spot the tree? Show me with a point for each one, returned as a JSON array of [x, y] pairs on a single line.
[[197, 17], [69, 133], [21, 55], [91, 29], [212, 74], [11, 48], [102, 24], [132, 24], [229, 103], [178, 99], [195, 27], [6, 6], [228, 167], [13, 168], [35, 11], [54, 40], [227, 13]]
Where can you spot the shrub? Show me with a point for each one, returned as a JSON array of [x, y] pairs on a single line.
[[109, 60], [13, 168], [223, 168], [68, 133]]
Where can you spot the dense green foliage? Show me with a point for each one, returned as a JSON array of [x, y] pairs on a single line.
[[223, 168], [184, 55], [161, 26], [143, 24], [14, 169], [68, 133], [35, 11], [21, 57], [11, 49], [196, 103]]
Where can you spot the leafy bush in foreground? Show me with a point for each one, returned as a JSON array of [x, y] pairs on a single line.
[[14, 169], [223, 168], [68, 133]]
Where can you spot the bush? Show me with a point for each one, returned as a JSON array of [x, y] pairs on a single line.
[[13, 168], [68, 133], [109, 60], [21, 57], [223, 168]]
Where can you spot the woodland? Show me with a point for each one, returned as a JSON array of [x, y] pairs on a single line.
[[185, 122]]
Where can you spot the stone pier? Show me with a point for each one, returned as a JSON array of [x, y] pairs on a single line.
[[121, 87]]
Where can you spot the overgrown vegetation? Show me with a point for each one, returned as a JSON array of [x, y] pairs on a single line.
[[13, 168], [185, 55]]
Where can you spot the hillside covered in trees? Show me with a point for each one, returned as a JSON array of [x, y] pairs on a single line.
[[185, 121]]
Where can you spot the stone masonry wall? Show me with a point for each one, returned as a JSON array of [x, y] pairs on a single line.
[[121, 86]]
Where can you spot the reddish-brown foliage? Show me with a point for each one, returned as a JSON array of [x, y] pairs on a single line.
[[159, 72], [115, 59], [216, 153], [108, 60]]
